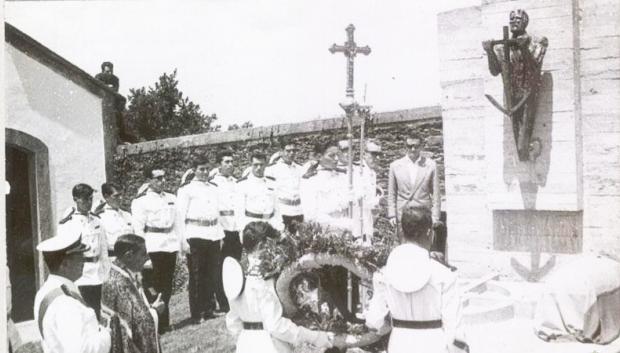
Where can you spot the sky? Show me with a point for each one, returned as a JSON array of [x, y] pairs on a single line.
[[266, 61]]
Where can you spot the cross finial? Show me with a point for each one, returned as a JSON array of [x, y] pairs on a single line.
[[350, 50]]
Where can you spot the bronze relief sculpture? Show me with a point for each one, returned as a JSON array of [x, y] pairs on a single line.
[[518, 57]]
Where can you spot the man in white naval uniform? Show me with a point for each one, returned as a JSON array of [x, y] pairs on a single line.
[[198, 221], [256, 196], [415, 294], [97, 264], [153, 218], [325, 193], [287, 175], [66, 323], [114, 219], [226, 186]]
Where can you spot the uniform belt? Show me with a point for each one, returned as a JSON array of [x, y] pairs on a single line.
[[420, 325], [149, 229], [259, 215], [202, 222], [91, 258], [227, 213], [252, 325], [289, 202]]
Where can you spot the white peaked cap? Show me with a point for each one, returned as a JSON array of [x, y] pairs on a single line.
[[68, 238]]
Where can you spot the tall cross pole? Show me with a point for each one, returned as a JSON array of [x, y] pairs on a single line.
[[350, 50]]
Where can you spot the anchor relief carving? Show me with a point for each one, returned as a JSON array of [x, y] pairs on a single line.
[[518, 58]]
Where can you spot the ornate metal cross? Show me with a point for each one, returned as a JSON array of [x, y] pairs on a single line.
[[350, 50]]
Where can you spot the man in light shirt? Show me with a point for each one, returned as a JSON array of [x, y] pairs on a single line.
[[153, 218], [198, 219], [115, 220], [287, 175], [66, 323]]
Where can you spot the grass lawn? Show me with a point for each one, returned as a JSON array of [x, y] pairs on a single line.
[[210, 336]]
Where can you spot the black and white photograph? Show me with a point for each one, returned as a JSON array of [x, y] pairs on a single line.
[[330, 176]]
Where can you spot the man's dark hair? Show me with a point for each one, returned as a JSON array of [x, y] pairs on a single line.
[[326, 145], [148, 171], [200, 160], [259, 156], [220, 155], [416, 221], [81, 191], [107, 189], [255, 233], [127, 242], [108, 64], [286, 141], [53, 260]]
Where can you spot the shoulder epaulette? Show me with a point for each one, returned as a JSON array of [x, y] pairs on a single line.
[[186, 182], [444, 263], [142, 190], [99, 209], [270, 177], [309, 174], [242, 179], [94, 214], [212, 183], [67, 217]]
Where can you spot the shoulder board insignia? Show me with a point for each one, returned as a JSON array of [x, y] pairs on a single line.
[[67, 217], [309, 174], [242, 179], [270, 177], [94, 214], [186, 182], [99, 209], [212, 183]]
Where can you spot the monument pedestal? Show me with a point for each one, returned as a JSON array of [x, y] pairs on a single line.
[[522, 218]]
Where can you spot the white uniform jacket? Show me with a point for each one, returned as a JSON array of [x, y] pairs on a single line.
[[259, 303], [116, 222], [198, 211], [69, 326], [325, 197], [256, 201], [434, 297], [97, 264], [153, 218], [287, 178], [226, 193]]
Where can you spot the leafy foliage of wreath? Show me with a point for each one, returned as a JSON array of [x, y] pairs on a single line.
[[315, 252]]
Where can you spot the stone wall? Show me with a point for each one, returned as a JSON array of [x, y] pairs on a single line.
[[599, 90], [175, 154]]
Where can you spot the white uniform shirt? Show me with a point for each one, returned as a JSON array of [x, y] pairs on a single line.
[[287, 178], [68, 325], [97, 267], [226, 189], [116, 222], [325, 198], [198, 211], [256, 201], [259, 303], [438, 299], [156, 211]]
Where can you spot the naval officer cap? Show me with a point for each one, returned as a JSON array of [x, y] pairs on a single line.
[[68, 240]]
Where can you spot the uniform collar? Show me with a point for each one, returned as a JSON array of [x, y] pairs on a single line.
[[57, 281]]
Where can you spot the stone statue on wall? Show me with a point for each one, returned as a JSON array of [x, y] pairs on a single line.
[[519, 59]]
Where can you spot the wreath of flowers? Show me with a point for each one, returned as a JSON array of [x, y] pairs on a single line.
[[301, 261]]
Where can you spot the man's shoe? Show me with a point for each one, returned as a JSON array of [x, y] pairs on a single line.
[[208, 316]]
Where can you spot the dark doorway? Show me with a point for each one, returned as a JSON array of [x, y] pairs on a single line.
[[21, 231]]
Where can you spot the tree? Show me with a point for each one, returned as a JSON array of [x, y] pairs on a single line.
[[246, 125], [162, 111]]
